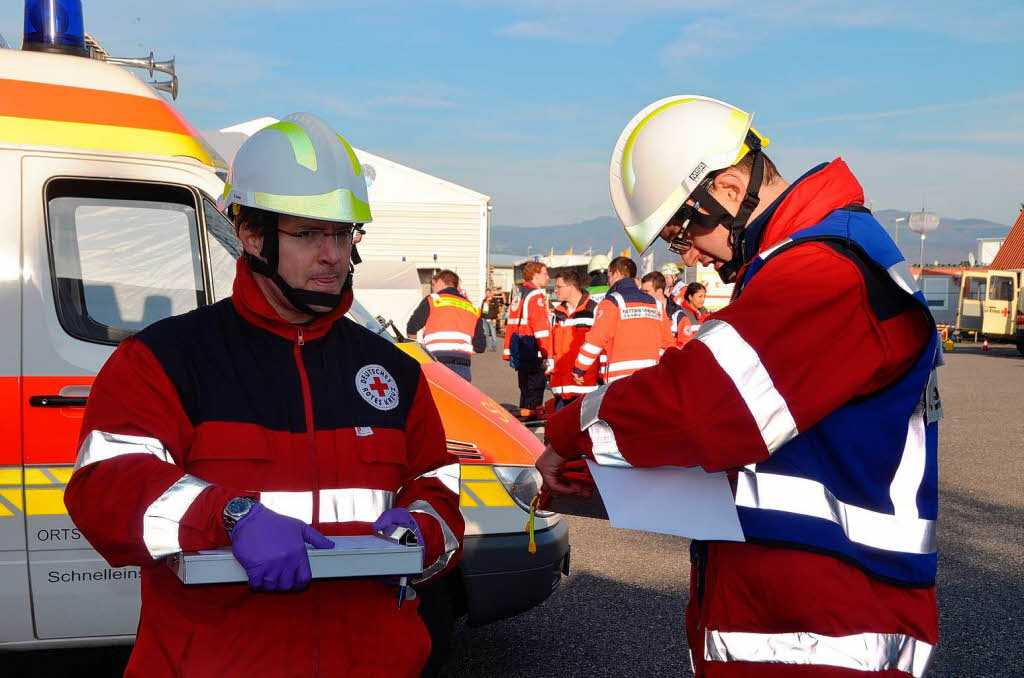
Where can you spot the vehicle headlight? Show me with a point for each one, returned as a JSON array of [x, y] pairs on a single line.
[[523, 484]]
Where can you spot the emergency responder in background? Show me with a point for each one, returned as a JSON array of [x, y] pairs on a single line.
[[822, 406], [671, 272], [490, 312], [264, 422], [528, 337], [629, 325], [573, 318], [654, 284], [686, 321], [597, 269], [452, 327]]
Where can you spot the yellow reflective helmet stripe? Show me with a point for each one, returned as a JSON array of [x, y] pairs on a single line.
[[338, 205], [356, 167], [302, 145], [628, 177]]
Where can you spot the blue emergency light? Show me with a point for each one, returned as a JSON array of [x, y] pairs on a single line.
[[54, 26]]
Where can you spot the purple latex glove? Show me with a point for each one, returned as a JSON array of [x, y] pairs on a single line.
[[272, 549], [398, 517]]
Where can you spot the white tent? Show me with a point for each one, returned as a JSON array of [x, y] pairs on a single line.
[[389, 289]]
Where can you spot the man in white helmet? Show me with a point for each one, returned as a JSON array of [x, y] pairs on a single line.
[[822, 406], [265, 422]]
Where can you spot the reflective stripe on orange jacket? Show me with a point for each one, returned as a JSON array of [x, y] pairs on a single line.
[[528, 317], [451, 324], [629, 325], [568, 332]]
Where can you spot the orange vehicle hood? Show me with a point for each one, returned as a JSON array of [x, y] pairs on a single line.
[[473, 419]]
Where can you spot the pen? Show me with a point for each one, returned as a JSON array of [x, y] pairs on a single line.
[[402, 583]]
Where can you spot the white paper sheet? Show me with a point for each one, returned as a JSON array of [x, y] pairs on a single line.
[[687, 502]]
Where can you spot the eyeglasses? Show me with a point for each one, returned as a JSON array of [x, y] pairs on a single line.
[[681, 242], [314, 238]]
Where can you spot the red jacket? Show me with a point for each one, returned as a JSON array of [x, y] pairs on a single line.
[[325, 422], [528, 317], [630, 325], [844, 349], [568, 334]]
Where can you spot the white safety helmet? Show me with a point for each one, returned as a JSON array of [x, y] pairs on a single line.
[[664, 154], [599, 262], [670, 269], [300, 167]]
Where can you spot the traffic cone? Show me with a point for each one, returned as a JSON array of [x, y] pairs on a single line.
[[984, 345]]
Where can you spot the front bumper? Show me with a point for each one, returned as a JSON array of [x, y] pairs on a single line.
[[502, 579]]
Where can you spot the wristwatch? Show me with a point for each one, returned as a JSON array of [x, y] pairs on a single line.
[[235, 510]]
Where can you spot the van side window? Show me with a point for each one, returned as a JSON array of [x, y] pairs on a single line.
[[1002, 288], [224, 250], [123, 255], [975, 289]]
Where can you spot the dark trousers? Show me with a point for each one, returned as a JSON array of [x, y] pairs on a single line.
[[531, 389], [459, 368]]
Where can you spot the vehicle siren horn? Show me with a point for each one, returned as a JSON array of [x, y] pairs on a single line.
[[54, 26], [147, 63]]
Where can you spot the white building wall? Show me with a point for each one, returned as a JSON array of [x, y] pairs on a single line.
[[418, 231]]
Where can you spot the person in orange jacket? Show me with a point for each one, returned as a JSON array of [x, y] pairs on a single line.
[[528, 335], [452, 326], [573, 319], [629, 325], [686, 320], [655, 284]]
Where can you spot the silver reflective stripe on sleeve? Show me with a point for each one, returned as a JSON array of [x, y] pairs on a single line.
[[869, 652], [771, 250], [100, 446], [354, 504], [905, 534], [297, 505], [910, 473], [161, 520], [451, 544], [900, 273], [605, 449], [449, 475], [740, 361]]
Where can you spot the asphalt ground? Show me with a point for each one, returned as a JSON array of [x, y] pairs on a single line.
[[620, 612]]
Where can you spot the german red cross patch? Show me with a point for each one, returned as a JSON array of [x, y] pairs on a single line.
[[377, 387]]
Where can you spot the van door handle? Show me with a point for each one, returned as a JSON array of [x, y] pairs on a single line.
[[57, 401], [69, 396]]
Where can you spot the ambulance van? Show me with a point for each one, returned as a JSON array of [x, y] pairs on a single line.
[[108, 222]]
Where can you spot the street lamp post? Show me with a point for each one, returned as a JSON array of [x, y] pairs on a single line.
[[896, 229]]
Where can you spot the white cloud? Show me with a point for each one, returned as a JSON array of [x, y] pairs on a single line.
[[912, 110], [531, 29], [702, 38]]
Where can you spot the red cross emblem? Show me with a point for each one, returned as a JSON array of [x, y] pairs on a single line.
[[379, 386]]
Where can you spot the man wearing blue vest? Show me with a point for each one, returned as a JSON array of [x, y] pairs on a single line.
[[822, 406]]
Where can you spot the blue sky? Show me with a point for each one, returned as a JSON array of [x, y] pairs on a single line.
[[523, 100]]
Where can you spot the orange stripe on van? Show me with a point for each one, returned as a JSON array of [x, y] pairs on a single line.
[[10, 422], [44, 101], [51, 434]]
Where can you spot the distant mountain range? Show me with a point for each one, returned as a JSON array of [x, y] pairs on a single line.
[[949, 244]]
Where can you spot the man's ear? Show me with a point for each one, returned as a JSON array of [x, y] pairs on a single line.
[[251, 241], [730, 186]]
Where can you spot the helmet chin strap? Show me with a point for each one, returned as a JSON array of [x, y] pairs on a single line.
[[302, 300], [719, 216]]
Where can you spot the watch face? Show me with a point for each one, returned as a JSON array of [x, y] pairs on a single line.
[[238, 506]]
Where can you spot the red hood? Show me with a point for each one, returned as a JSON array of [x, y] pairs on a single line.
[[811, 200], [252, 305]]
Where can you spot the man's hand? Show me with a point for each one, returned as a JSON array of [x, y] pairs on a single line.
[[549, 464], [272, 549], [578, 378]]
